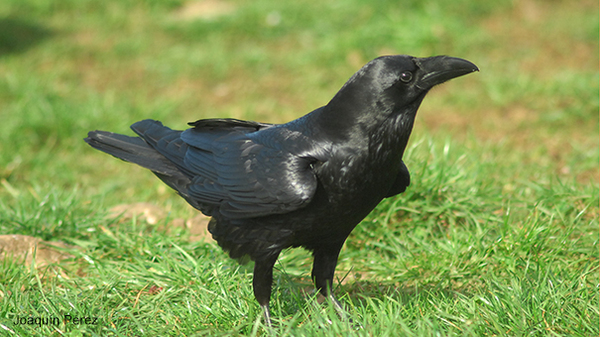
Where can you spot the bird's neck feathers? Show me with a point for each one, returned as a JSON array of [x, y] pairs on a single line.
[[351, 112], [391, 136], [356, 114]]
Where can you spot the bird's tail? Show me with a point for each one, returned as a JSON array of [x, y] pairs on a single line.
[[131, 149], [158, 149], [145, 151]]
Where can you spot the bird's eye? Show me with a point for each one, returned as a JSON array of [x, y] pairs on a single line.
[[406, 76]]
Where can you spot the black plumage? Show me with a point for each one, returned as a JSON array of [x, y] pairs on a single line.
[[306, 183]]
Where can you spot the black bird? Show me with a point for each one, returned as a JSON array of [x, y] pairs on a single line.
[[306, 183]]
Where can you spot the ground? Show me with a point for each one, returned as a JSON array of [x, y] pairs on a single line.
[[497, 234]]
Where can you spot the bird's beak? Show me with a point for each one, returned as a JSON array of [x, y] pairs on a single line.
[[439, 69]]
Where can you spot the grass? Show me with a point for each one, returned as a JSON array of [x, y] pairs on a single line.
[[496, 236]]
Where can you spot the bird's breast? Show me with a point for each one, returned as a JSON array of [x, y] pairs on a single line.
[[357, 181]]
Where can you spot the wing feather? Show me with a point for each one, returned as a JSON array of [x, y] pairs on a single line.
[[246, 176]]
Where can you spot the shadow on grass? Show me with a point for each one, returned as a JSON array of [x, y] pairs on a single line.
[[17, 35], [361, 292]]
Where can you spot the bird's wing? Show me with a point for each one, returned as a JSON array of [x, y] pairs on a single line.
[[243, 174], [227, 123], [401, 183]]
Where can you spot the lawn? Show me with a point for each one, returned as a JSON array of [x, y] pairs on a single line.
[[496, 236]]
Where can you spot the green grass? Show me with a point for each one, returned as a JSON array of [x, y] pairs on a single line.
[[497, 235]]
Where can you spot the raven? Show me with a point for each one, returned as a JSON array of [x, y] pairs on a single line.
[[306, 183]]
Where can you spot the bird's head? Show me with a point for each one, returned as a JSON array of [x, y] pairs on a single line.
[[392, 86], [402, 79]]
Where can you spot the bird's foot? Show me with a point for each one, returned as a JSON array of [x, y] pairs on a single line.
[[267, 315], [342, 313]]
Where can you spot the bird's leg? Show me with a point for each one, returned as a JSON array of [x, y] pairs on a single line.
[[323, 272], [266, 314], [338, 306], [261, 283]]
